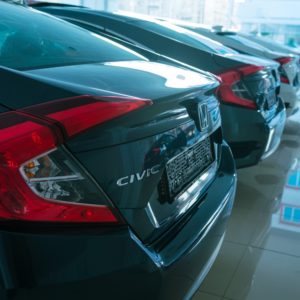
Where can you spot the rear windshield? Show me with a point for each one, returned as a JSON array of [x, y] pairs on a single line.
[[186, 36], [247, 42], [30, 39]]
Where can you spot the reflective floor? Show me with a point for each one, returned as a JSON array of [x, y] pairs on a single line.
[[260, 258]]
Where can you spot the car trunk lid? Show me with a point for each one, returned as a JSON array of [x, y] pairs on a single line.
[[153, 163]]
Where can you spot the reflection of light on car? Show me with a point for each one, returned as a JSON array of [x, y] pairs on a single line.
[[270, 139], [288, 217], [294, 180], [290, 214], [115, 44], [215, 114], [174, 79]]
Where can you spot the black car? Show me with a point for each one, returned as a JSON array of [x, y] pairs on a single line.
[[252, 113], [289, 62], [115, 180]]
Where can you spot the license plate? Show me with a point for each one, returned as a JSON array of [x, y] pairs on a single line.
[[183, 168]]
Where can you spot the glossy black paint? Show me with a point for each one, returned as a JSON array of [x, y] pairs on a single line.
[[130, 30], [133, 32], [138, 259], [250, 148], [41, 263], [124, 139], [228, 38], [33, 91]]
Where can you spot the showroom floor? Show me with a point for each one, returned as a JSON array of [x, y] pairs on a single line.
[[260, 258]]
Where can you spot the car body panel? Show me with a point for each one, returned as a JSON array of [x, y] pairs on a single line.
[[142, 130], [243, 44], [178, 130], [252, 147], [271, 44], [132, 31], [77, 262], [126, 77]]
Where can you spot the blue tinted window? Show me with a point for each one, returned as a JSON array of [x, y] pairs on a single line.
[[31, 39], [287, 214], [294, 179], [248, 43], [297, 215], [185, 36]]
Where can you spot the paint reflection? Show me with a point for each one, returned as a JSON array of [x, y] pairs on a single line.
[[288, 217]]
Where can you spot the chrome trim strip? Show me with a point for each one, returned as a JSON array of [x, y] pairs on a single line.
[[270, 139], [57, 178], [151, 216]]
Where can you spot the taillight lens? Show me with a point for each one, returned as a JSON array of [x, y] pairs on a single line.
[[39, 178], [233, 90], [283, 61], [80, 113]]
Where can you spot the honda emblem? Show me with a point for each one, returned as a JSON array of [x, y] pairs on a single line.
[[203, 116]]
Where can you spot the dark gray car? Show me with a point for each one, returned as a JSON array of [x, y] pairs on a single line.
[[110, 187], [271, 45], [289, 62], [253, 115]]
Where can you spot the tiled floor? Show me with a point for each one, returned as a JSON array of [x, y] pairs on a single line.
[[260, 258]]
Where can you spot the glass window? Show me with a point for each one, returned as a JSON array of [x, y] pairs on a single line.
[[185, 36], [30, 39], [247, 42]]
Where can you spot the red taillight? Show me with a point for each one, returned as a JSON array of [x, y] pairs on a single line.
[[251, 69], [80, 113], [229, 79], [40, 180], [283, 61], [284, 79]]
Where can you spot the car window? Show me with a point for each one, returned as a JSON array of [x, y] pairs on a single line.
[[31, 39], [248, 43], [215, 46], [185, 36]]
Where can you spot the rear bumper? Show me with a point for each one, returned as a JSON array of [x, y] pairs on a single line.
[[275, 129], [290, 95], [251, 136], [112, 263]]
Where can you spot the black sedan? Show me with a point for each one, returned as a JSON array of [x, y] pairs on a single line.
[[115, 180], [253, 115], [289, 62]]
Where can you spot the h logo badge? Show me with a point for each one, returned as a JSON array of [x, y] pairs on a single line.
[[203, 116]]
